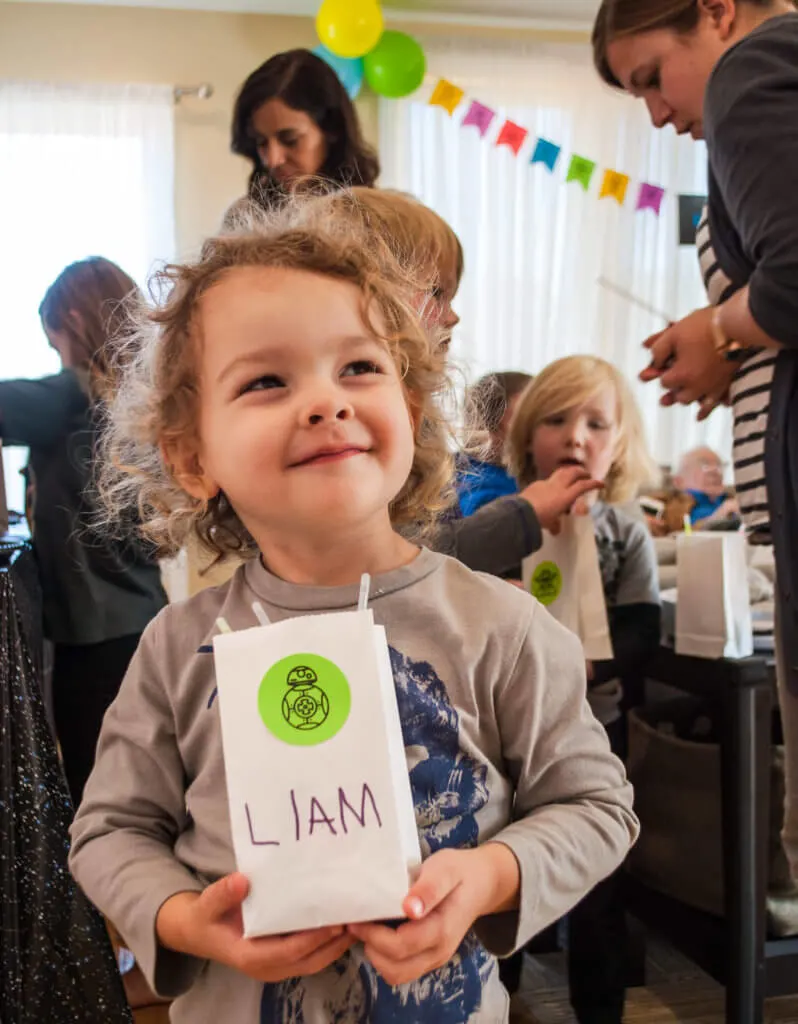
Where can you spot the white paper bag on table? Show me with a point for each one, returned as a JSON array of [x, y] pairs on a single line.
[[565, 576], [713, 607], [320, 802]]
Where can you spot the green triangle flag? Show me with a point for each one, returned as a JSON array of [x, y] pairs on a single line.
[[581, 170]]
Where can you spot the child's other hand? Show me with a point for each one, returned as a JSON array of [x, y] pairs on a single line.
[[454, 888], [552, 498], [209, 925]]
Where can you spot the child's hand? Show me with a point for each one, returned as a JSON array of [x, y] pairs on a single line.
[[209, 925], [552, 498], [454, 888]]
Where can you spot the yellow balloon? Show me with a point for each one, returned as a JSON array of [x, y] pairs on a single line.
[[350, 28]]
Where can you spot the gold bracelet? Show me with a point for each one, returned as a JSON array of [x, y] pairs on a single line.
[[721, 342], [725, 347]]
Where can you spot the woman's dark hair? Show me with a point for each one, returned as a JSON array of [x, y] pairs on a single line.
[[304, 82], [88, 303], [617, 19]]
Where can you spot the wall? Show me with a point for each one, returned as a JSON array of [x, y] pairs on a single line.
[[65, 42]]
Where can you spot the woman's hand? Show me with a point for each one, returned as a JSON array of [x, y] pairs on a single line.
[[454, 888], [209, 925], [684, 360]]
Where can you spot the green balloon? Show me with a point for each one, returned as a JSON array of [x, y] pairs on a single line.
[[396, 66]]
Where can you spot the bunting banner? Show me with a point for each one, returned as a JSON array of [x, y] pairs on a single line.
[[512, 135], [447, 96], [650, 198], [580, 169], [546, 153], [614, 186], [480, 116]]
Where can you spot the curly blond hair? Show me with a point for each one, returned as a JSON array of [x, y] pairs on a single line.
[[562, 385], [416, 235], [156, 405]]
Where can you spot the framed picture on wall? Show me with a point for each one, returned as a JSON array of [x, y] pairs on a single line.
[[690, 210]]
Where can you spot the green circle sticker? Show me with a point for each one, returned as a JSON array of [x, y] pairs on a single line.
[[304, 700], [546, 582]]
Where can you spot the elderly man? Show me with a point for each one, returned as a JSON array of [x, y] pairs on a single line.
[[700, 475]]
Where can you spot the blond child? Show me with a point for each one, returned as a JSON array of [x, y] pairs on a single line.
[[292, 363], [579, 411]]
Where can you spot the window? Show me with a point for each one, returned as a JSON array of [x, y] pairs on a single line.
[[86, 171], [535, 246]]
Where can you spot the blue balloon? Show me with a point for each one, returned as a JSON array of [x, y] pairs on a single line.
[[348, 69]]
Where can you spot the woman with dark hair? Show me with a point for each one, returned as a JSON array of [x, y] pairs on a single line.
[[294, 119], [727, 71], [98, 594]]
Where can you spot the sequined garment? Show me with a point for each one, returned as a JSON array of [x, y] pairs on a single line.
[[56, 962]]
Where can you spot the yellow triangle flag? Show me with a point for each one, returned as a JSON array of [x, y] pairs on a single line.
[[614, 186], [446, 95]]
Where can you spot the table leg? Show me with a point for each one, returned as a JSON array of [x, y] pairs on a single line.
[[745, 755]]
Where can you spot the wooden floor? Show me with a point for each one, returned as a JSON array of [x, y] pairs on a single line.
[[677, 991]]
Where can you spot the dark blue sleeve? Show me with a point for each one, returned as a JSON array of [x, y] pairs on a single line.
[[36, 413], [751, 123]]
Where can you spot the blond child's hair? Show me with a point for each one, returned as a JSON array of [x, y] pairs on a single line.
[[416, 235], [156, 406], [564, 384]]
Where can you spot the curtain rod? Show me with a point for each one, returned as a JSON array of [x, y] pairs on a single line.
[[203, 91]]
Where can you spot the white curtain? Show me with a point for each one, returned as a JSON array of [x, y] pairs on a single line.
[[85, 170], [535, 246]]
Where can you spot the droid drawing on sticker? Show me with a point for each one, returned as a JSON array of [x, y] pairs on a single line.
[[305, 704]]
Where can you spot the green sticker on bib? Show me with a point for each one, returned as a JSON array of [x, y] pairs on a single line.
[[546, 582], [304, 700]]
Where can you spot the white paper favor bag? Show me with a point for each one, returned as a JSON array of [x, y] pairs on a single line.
[[713, 607], [565, 576], [320, 802]]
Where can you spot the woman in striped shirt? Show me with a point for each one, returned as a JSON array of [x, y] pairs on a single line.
[[727, 71]]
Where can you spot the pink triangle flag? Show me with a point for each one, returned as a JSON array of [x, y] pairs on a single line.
[[650, 198], [479, 115]]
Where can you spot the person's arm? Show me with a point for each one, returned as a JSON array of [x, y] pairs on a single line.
[[573, 805], [499, 536], [634, 617], [132, 813], [495, 539], [35, 413], [752, 135]]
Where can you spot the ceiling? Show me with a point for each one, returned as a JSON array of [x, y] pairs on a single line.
[[564, 14]]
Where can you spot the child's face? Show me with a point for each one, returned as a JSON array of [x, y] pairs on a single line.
[[304, 423], [437, 307], [585, 435]]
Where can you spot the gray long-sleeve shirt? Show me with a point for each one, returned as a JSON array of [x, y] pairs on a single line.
[[500, 744], [495, 539], [751, 127]]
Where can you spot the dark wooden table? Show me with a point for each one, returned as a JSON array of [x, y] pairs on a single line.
[[735, 950]]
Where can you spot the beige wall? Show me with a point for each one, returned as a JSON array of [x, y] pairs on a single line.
[[65, 42], [69, 42]]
